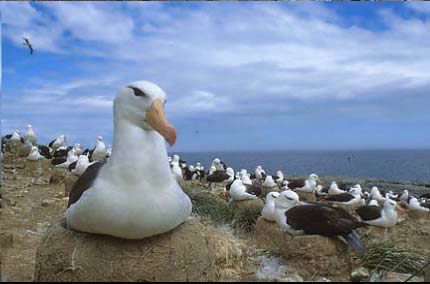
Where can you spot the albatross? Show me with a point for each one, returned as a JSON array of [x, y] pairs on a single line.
[[317, 219], [28, 44], [133, 195], [30, 135]]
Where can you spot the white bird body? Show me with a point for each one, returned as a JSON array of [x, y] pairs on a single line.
[[311, 184], [357, 200], [35, 155], [177, 172], [269, 182], [212, 169], [77, 149], [59, 142], [71, 158], [259, 172], [100, 152], [16, 136], [268, 211], [238, 191], [246, 180], [388, 215], [376, 195], [280, 177], [334, 189], [284, 202], [81, 166], [134, 195], [415, 206], [30, 135]]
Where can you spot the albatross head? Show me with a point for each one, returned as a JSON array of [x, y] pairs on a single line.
[[142, 104], [287, 199]]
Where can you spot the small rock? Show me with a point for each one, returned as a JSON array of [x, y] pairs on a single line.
[[399, 277], [47, 202], [326, 280], [291, 278], [360, 275]]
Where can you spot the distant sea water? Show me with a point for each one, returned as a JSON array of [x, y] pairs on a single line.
[[396, 165]]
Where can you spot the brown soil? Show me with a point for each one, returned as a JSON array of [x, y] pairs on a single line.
[[23, 218]]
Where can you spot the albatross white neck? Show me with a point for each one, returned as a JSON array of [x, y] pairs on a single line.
[[142, 151]]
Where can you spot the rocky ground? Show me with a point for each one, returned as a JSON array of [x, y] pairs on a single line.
[[33, 199]]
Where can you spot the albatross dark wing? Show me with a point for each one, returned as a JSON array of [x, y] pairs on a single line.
[[44, 151], [52, 143], [84, 182], [58, 161], [254, 190], [298, 183], [369, 213], [323, 220], [218, 176], [72, 166], [342, 197]]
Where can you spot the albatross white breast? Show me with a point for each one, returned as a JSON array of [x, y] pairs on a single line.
[[134, 194]]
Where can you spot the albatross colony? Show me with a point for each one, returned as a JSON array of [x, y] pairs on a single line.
[[133, 195]]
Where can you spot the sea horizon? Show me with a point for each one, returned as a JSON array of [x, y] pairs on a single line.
[[405, 165]]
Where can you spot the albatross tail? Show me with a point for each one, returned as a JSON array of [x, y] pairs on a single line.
[[353, 240]]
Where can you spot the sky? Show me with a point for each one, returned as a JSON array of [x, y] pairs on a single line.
[[238, 76]]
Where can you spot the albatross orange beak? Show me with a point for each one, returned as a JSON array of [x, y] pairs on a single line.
[[157, 119]]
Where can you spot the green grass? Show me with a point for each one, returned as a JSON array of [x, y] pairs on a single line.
[[384, 255]]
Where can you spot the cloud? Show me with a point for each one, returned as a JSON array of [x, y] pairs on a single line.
[[200, 102], [242, 60], [419, 6]]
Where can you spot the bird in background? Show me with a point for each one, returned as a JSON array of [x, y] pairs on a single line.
[[27, 43]]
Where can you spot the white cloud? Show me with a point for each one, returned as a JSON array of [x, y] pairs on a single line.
[[201, 102], [419, 6], [259, 56]]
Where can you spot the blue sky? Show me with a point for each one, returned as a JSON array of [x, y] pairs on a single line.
[[247, 76]]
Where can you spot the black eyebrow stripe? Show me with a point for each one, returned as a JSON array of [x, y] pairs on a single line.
[[137, 92]]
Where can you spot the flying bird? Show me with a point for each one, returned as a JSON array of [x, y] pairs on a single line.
[[27, 43]]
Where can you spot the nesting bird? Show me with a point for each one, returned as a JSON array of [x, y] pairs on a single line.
[[268, 211], [375, 216], [35, 155], [239, 192], [308, 185], [30, 135], [318, 219], [58, 142]]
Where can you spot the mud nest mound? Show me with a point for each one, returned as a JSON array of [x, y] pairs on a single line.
[[191, 252]]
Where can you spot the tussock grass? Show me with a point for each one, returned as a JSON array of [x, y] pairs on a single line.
[[382, 255], [216, 210]]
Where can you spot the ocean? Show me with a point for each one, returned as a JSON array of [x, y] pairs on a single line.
[[395, 165]]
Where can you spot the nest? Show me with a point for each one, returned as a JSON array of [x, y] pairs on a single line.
[[245, 219], [382, 255], [211, 207]]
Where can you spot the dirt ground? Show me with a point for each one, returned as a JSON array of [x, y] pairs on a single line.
[[29, 206]]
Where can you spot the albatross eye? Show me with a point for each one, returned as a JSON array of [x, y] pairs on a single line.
[[137, 92]]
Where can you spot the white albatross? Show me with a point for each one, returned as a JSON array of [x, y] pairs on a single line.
[[268, 211], [35, 154], [133, 195]]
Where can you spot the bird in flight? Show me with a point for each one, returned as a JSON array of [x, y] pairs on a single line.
[[27, 43]]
